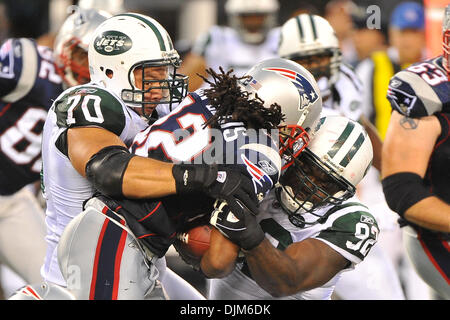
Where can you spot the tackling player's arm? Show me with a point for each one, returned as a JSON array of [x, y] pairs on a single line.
[[112, 170], [142, 178], [220, 259], [407, 149], [301, 266]]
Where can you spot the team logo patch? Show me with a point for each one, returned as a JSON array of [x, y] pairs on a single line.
[[367, 219], [85, 91], [111, 43], [267, 167], [305, 89], [395, 83], [402, 100], [250, 81], [221, 176], [259, 177]]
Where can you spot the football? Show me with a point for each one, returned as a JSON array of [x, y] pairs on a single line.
[[196, 240]]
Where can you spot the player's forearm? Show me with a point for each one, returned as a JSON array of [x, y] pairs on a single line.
[[214, 268], [148, 178], [431, 213], [273, 270], [220, 259]]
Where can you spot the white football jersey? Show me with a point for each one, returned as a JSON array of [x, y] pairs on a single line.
[[345, 98], [349, 229], [222, 46], [63, 187]]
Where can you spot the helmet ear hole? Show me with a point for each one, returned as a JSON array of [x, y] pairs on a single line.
[[109, 73]]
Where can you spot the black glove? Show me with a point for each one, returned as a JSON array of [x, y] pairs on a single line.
[[240, 226], [218, 182]]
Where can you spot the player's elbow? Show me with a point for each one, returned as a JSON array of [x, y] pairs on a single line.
[[216, 266], [105, 169], [282, 290]]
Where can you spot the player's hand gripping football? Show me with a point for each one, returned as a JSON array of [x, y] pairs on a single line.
[[218, 182], [239, 226]]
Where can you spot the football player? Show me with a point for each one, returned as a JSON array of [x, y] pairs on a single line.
[[249, 37], [133, 69], [311, 41], [219, 124], [32, 75], [415, 163], [309, 229]]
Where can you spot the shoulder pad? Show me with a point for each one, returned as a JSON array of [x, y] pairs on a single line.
[[351, 229], [89, 105], [419, 91], [18, 68]]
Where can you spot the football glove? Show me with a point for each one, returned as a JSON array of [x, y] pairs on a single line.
[[239, 226], [218, 182]]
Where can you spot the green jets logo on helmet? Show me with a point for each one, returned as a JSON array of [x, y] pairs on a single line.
[[112, 43]]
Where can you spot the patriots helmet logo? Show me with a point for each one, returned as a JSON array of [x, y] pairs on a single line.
[[305, 89]]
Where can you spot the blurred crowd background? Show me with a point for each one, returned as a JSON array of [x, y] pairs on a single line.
[[186, 20]]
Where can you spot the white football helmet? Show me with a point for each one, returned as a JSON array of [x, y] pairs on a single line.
[[294, 89], [75, 34], [326, 172], [307, 37], [237, 9], [129, 41], [113, 6], [446, 41]]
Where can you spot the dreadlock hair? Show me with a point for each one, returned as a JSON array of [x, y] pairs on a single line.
[[232, 103]]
